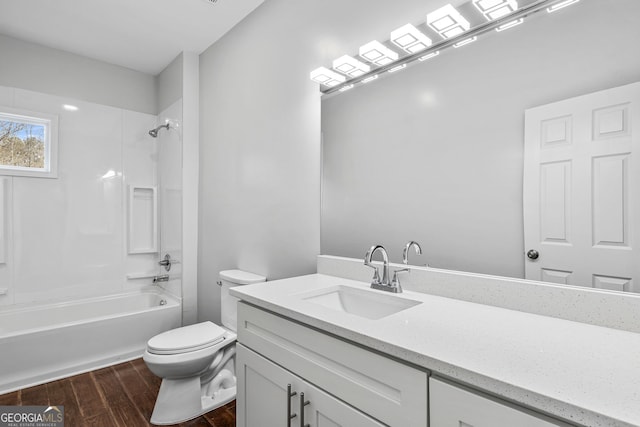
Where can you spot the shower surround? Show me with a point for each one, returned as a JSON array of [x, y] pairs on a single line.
[[66, 252], [67, 238]]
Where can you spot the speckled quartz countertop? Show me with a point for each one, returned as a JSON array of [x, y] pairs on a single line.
[[588, 375]]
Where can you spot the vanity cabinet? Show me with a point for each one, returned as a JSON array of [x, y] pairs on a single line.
[[453, 406], [346, 385], [272, 396]]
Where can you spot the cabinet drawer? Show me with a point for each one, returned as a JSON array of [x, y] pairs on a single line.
[[389, 391], [452, 406]]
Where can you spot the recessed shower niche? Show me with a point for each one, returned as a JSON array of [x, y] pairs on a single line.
[[143, 220]]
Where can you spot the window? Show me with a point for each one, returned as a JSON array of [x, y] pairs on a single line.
[[28, 143]]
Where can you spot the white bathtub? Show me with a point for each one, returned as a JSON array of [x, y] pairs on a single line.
[[46, 342]]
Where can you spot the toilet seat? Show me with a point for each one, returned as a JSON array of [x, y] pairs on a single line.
[[186, 339]]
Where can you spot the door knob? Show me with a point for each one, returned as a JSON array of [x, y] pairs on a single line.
[[533, 254]]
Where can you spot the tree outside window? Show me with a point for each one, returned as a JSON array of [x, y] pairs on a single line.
[[28, 143], [22, 144]]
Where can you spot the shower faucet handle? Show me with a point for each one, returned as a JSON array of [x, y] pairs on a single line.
[[166, 262]]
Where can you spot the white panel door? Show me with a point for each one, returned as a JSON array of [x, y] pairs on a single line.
[[264, 400], [582, 190]]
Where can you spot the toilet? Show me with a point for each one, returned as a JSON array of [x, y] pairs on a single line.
[[197, 362]]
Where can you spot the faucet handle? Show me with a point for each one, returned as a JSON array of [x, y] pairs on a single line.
[[376, 274], [395, 282]]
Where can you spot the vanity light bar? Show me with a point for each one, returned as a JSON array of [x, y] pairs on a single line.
[[560, 5], [377, 53], [398, 68], [350, 66], [495, 9], [510, 25], [370, 79], [326, 77], [465, 41], [447, 22], [429, 55], [410, 39], [444, 19]]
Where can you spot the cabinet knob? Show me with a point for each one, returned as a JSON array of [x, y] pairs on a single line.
[[303, 403]]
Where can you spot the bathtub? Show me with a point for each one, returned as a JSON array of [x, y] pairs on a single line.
[[47, 342]]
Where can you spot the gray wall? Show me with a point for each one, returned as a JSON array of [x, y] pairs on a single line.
[[259, 153], [34, 67], [434, 153], [260, 149], [169, 83]]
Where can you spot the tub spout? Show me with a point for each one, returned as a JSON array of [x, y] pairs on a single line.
[[161, 278]]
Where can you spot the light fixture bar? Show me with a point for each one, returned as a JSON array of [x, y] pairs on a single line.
[[370, 78], [510, 25], [495, 9], [465, 41], [326, 77], [447, 22], [429, 55], [377, 53], [410, 39], [397, 68], [350, 66], [561, 5], [521, 13]]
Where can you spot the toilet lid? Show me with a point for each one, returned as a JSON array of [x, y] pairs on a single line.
[[186, 339]]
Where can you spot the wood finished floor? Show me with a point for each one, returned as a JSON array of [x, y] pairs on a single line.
[[118, 396]]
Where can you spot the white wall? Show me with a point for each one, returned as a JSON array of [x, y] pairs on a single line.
[[435, 153], [178, 95], [190, 182], [170, 185], [67, 237], [34, 67], [169, 84], [259, 150], [260, 133]]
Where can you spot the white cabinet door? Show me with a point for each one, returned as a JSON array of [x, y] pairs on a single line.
[[581, 195], [263, 398], [385, 389], [451, 406]]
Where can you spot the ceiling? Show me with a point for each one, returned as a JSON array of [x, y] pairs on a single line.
[[144, 35]]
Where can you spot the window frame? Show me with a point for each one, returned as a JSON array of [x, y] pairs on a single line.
[[50, 124]]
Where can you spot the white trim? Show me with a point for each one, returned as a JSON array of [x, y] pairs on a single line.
[[3, 220]]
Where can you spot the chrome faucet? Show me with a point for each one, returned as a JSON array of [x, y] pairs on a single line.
[[384, 284], [376, 282], [405, 251], [161, 278], [405, 260]]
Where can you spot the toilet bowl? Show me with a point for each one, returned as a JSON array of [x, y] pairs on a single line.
[[197, 362]]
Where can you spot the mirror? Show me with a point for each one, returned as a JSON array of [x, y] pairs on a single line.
[[435, 153]]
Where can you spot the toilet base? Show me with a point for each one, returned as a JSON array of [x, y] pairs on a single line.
[[181, 400]]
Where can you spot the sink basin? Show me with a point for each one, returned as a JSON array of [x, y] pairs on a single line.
[[360, 302]]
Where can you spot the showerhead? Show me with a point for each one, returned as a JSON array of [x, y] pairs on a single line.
[[154, 132]]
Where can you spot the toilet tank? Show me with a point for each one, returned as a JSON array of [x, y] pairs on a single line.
[[228, 304]]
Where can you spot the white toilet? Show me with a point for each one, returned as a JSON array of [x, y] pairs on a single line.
[[197, 362]]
